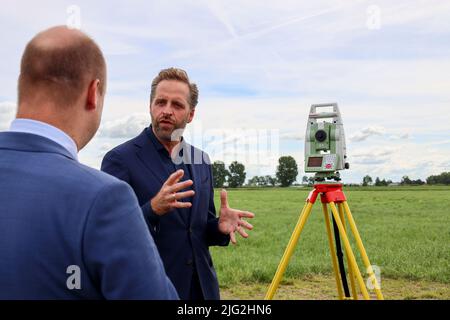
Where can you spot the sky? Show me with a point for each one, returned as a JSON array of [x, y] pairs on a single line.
[[259, 66]]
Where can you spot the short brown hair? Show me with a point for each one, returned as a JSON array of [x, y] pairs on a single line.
[[61, 70], [179, 75]]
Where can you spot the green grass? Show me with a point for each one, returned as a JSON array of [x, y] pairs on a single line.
[[405, 230], [323, 287]]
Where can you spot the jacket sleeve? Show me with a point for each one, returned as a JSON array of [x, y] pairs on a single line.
[[118, 250], [214, 236], [113, 164]]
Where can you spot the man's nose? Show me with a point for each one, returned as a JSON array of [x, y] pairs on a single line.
[[167, 110]]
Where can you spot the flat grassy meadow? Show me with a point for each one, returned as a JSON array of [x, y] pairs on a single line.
[[405, 230]]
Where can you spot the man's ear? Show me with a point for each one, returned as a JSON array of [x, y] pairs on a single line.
[[191, 114], [92, 95]]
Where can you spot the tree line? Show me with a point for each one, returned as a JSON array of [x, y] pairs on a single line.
[[443, 178], [234, 176], [287, 171]]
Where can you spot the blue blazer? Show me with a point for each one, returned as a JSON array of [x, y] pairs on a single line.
[[182, 244], [68, 231]]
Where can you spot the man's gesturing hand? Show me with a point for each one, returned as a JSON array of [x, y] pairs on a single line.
[[167, 198], [230, 220]]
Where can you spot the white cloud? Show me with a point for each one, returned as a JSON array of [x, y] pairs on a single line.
[[7, 112], [401, 136], [292, 136], [217, 9], [440, 142], [371, 156], [399, 158], [105, 147], [128, 127], [366, 133]]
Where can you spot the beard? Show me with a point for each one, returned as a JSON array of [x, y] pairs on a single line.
[[167, 129]]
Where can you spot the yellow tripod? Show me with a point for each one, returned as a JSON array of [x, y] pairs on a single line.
[[331, 194]]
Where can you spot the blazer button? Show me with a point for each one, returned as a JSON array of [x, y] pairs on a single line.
[[190, 230], [189, 262]]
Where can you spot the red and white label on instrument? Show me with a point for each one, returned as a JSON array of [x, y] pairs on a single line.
[[329, 162]]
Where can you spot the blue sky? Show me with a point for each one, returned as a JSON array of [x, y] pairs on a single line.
[[259, 66]]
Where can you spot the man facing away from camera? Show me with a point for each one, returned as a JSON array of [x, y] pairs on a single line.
[[173, 183], [68, 231]]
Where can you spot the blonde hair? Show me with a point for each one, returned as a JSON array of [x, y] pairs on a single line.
[[178, 75]]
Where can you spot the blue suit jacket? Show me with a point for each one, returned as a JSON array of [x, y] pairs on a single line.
[[182, 245], [56, 213]]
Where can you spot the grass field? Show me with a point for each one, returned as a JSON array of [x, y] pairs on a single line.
[[405, 230]]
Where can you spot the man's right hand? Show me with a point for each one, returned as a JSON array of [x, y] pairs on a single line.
[[167, 198]]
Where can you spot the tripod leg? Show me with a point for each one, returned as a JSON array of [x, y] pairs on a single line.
[[348, 249], [350, 266], [340, 257], [364, 256], [332, 252], [289, 251]]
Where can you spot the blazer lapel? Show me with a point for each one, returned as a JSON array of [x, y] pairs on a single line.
[[150, 158], [195, 178]]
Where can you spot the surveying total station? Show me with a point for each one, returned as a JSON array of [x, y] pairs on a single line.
[[325, 154]]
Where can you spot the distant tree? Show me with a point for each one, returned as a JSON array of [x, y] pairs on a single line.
[[237, 174], [262, 181], [220, 174], [287, 171], [405, 181], [253, 182], [377, 182], [271, 181], [432, 180], [305, 180], [418, 182], [443, 178], [367, 180], [382, 183]]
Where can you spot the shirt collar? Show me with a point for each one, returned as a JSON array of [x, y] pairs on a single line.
[[159, 146], [46, 130]]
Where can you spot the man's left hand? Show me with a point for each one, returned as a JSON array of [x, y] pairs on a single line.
[[230, 220]]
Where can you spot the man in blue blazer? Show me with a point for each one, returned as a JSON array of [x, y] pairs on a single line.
[[173, 183], [68, 231]]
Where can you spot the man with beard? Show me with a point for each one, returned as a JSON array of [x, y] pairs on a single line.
[[177, 197]]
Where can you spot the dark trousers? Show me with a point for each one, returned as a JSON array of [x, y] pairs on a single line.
[[196, 290]]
